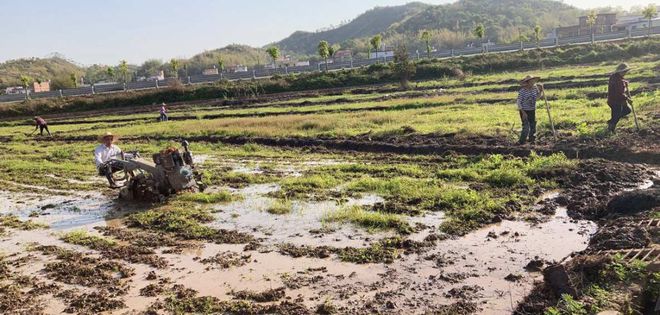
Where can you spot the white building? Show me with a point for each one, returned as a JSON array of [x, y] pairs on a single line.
[[634, 22], [381, 54], [239, 68], [159, 77], [15, 90]]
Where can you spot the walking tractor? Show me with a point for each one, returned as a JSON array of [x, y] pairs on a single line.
[[169, 172]]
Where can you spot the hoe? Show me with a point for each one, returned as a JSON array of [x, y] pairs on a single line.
[[169, 173]]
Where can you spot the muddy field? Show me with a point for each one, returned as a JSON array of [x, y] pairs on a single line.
[[301, 217]]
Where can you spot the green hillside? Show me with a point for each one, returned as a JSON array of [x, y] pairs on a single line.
[[56, 69], [231, 55], [451, 24], [372, 22]]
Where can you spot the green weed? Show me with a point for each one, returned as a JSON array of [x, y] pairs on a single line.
[[216, 197], [280, 207], [83, 238], [368, 219]]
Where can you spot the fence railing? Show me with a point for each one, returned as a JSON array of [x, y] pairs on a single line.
[[264, 73]]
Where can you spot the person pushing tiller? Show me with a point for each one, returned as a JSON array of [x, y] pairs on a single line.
[[41, 125], [618, 97], [529, 93], [105, 155]]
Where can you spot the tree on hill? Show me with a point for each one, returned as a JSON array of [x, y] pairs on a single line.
[[591, 21], [376, 42], [274, 53], [123, 70], [26, 80], [174, 65], [110, 72], [649, 13], [324, 52], [404, 68], [333, 49], [480, 32], [537, 35], [426, 38], [522, 38], [74, 80], [221, 64]]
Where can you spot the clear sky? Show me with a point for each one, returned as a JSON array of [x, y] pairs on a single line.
[[105, 31]]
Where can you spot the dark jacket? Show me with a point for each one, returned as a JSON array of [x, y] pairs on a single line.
[[617, 91]]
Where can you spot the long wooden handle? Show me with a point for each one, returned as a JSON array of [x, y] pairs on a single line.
[[633, 109], [547, 107]]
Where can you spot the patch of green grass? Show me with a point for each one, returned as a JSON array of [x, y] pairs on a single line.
[[508, 177], [600, 296], [216, 197], [567, 306], [83, 238], [461, 174], [62, 153], [12, 221], [537, 164], [185, 220], [368, 219], [623, 271], [280, 207], [235, 179], [375, 170], [297, 186]]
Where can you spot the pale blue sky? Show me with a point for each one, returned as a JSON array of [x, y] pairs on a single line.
[[105, 31]]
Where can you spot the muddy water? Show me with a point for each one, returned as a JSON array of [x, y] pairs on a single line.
[[481, 259], [250, 214]]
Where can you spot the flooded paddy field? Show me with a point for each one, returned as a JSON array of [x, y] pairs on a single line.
[[328, 233], [360, 201]]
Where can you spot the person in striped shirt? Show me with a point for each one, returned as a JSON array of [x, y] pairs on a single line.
[[527, 96]]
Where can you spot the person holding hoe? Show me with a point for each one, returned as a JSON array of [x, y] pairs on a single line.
[[41, 125], [529, 93], [163, 112], [618, 96]]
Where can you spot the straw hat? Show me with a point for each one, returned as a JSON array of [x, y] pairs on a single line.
[[529, 78], [106, 135], [623, 67]]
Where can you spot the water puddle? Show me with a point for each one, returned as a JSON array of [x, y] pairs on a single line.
[[251, 214]]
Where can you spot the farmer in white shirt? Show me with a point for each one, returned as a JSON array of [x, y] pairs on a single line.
[[104, 155]]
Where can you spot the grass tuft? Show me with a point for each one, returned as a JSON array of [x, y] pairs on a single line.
[[216, 197], [280, 207], [368, 219]]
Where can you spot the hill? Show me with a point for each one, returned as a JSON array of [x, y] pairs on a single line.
[[231, 55], [56, 69], [452, 24], [372, 22]]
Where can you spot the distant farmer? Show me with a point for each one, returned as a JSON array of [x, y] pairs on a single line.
[[104, 156], [618, 96], [527, 96], [163, 112], [41, 125]]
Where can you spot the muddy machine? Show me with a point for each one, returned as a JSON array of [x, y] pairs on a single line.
[[169, 172]]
